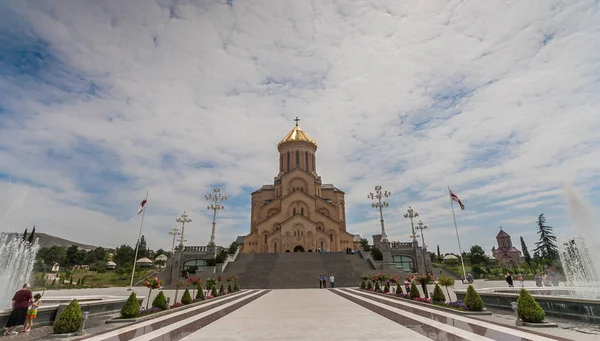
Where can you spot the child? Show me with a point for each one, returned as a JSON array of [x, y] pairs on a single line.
[[32, 313]]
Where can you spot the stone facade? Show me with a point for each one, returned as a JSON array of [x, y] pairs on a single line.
[[297, 213], [506, 253], [406, 256]]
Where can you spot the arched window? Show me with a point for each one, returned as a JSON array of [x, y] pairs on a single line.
[[313, 164], [331, 236], [297, 159], [265, 238], [294, 211], [302, 210], [275, 246], [306, 161], [288, 161]]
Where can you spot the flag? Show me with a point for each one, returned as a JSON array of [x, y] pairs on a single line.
[[453, 197], [142, 206]]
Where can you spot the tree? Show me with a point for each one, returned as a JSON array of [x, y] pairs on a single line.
[[96, 255], [160, 252], [233, 248], [32, 236], [493, 249], [477, 255], [547, 245], [525, 251], [25, 235], [52, 255], [124, 255], [438, 252], [74, 256], [142, 248]]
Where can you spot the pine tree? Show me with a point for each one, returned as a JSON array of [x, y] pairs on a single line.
[[142, 248], [25, 235], [493, 249], [546, 247], [31, 236], [525, 251]]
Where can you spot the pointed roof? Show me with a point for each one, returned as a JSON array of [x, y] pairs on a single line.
[[502, 234], [297, 134]]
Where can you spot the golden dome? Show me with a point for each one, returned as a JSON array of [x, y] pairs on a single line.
[[297, 134]]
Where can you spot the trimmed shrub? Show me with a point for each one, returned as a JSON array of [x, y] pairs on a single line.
[[370, 286], [236, 287], [69, 321], [222, 290], [438, 295], [473, 300], [398, 289], [386, 288], [200, 295], [414, 291], [229, 288], [529, 310], [213, 292], [131, 308], [377, 287], [186, 298], [160, 301], [377, 255], [363, 285]]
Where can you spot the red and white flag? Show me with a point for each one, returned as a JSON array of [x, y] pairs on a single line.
[[453, 197], [142, 206]]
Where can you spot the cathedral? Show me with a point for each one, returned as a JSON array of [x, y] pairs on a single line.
[[298, 213]]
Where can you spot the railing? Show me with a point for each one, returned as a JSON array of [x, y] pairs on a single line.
[[398, 245], [195, 248]]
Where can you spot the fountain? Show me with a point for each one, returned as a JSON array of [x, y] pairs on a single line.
[[16, 264]]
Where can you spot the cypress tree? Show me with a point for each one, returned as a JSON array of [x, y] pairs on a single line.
[[25, 235], [31, 236], [526, 254], [546, 247]]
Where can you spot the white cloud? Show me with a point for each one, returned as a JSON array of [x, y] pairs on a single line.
[[498, 100]]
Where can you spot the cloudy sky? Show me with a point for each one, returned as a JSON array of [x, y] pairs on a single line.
[[101, 101]]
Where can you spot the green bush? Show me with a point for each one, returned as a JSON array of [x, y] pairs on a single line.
[[200, 295], [377, 255], [222, 290], [370, 286], [414, 291], [438, 294], [473, 300], [229, 288], [398, 289], [160, 301], [363, 285], [131, 308], [529, 310], [69, 321], [236, 287], [213, 292], [377, 287], [186, 298], [386, 288]]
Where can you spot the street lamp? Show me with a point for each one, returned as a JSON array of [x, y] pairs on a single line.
[[175, 233], [410, 213], [423, 227], [216, 199], [378, 196], [183, 219]]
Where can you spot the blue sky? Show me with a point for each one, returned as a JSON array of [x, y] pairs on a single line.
[[101, 102]]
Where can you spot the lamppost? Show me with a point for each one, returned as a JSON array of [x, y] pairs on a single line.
[[410, 213], [175, 233], [423, 227], [216, 198], [380, 204], [183, 219]]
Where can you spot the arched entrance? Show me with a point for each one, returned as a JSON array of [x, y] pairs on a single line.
[[298, 249], [287, 250], [309, 251]]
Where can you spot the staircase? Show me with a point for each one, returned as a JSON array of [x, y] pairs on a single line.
[[297, 270]]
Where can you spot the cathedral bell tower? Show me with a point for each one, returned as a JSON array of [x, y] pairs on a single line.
[[297, 151]]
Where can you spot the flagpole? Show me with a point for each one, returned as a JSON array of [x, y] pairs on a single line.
[[137, 245], [462, 261]]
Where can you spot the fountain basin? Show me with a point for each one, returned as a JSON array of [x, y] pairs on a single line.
[[556, 301], [52, 306]]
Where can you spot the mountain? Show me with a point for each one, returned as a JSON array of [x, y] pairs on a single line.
[[46, 240]]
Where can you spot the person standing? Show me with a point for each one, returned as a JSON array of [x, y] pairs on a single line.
[[332, 281], [509, 280], [324, 281], [32, 313], [20, 304], [320, 281], [521, 280]]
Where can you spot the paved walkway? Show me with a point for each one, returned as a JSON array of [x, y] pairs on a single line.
[[313, 314]]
